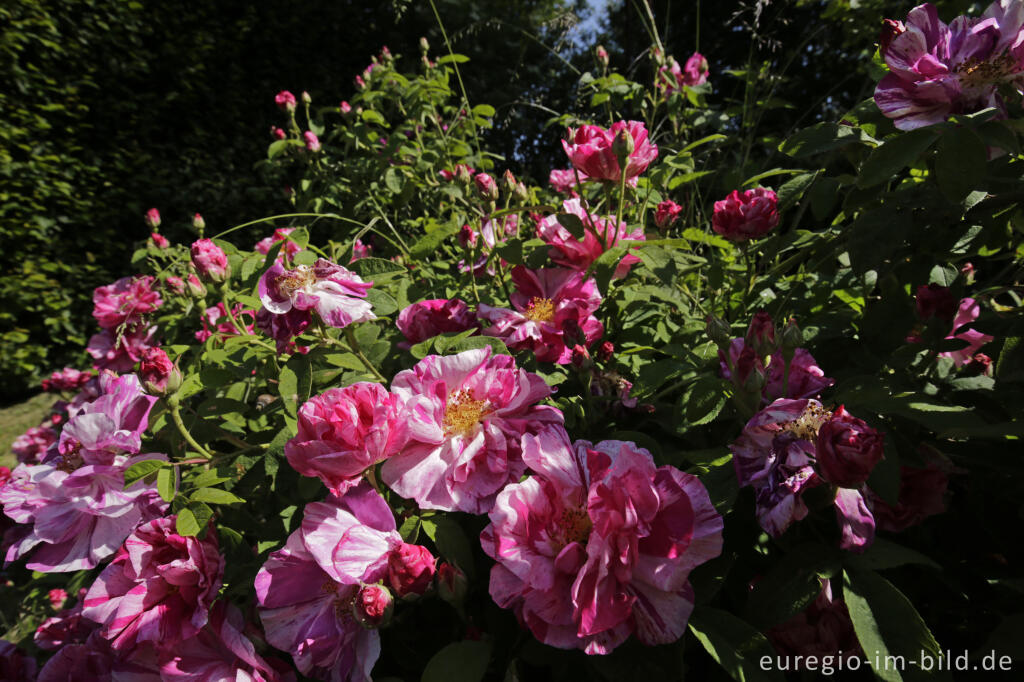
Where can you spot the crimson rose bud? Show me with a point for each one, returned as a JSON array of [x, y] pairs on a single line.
[[410, 569], [848, 449], [451, 584], [761, 334], [746, 215], [372, 607], [158, 373], [152, 218]]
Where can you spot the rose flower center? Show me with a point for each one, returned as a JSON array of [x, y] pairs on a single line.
[[299, 278], [575, 525], [540, 310], [975, 73], [807, 424], [463, 412]]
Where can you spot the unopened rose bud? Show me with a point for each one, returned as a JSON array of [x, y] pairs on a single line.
[[622, 147], [606, 351], [521, 193], [175, 284], [198, 223], [373, 606], [761, 334], [410, 569], [658, 56], [462, 174], [467, 237], [580, 357], [277, 133], [602, 55], [792, 337], [345, 108], [57, 598], [159, 241], [312, 141], [195, 287], [718, 330], [451, 584], [360, 83], [306, 99], [210, 261], [424, 45], [152, 218], [486, 187], [285, 101], [510, 181], [157, 373]]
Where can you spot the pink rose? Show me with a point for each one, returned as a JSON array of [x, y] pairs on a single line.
[[935, 300], [312, 141], [277, 133], [426, 319], [125, 301], [335, 293], [847, 449], [152, 218], [410, 569], [485, 186], [285, 101], [564, 181], [210, 261], [159, 241], [372, 606], [344, 431], [666, 213], [590, 150], [158, 373], [159, 587], [30, 446], [968, 311], [746, 215], [345, 107], [570, 252]]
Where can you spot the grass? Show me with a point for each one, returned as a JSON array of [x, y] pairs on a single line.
[[17, 419]]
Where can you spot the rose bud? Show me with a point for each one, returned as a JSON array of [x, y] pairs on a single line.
[[210, 261], [285, 101], [345, 108], [602, 55], [195, 287], [312, 141], [410, 569], [159, 241], [306, 99], [486, 187], [198, 223], [510, 181], [373, 606], [761, 334], [848, 449], [746, 215], [158, 373], [152, 218], [719, 331], [606, 351], [277, 133], [424, 45], [666, 213], [451, 584], [467, 237]]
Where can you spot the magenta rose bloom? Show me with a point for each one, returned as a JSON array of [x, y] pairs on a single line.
[[307, 589], [283, 328], [545, 301], [216, 321], [675, 78], [67, 627], [311, 140], [848, 449], [746, 215], [156, 369], [290, 248], [335, 293], [823, 628], [120, 352], [285, 101], [577, 254], [467, 415], [599, 543], [590, 150], [30, 446], [667, 213], [410, 569], [125, 301], [968, 311], [209, 260], [426, 319], [158, 588], [563, 181], [94, 659], [67, 379], [112, 423], [220, 652], [936, 70], [806, 378], [922, 494], [344, 431]]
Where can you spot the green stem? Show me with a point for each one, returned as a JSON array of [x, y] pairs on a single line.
[[354, 346], [175, 410]]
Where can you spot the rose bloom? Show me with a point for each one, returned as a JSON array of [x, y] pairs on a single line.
[[936, 70], [599, 543], [158, 588], [695, 72], [210, 261], [564, 181], [30, 446], [337, 294], [125, 301], [345, 431], [968, 311], [360, 250], [467, 415], [285, 101], [155, 369], [578, 254], [847, 449], [589, 148], [290, 248], [426, 319], [283, 328], [667, 213], [112, 423], [93, 659], [67, 379], [119, 352], [216, 321], [746, 215], [410, 569], [922, 494], [311, 140], [544, 302], [306, 590], [806, 378], [823, 628]]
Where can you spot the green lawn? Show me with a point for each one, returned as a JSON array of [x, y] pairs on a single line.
[[17, 419]]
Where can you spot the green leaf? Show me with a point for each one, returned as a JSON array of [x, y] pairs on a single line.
[[572, 223], [485, 110], [165, 484], [961, 161], [703, 400], [791, 584], [383, 303], [451, 542], [453, 58], [429, 243], [768, 174], [792, 191], [141, 470], [187, 524], [943, 275], [737, 646], [604, 267], [371, 116], [394, 180], [885, 554], [823, 137], [410, 529], [288, 389], [464, 661], [895, 154], [887, 624], [215, 496]]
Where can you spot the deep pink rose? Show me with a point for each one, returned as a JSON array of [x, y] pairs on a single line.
[[125, 301], [968, 311], [545, 302], [599, 543], [159, 241], [372, 606], [761, 334], [155, 369], [467, 415], [564, 181], [152, 218], [590, 150], [67, 379], [746, 215], [210, 261], [667, 213], [578, 254], [216, 321], [848, 449], [935, 300], [119, 352], [30, 446], [335, 293], [159, 587], [410, 569], [290, 248], [674, 77], [285, 101], [311, 140], [426, 319], [344, 431]]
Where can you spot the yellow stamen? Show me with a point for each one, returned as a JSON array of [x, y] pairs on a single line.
[[540, 310], [463, 412]]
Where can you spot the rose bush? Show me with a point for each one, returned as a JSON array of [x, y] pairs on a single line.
[[437, 425]]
